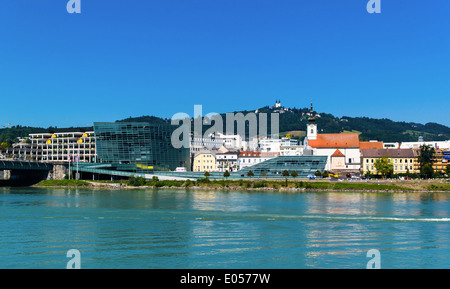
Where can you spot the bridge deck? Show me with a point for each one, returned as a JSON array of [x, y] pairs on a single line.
[[23, 165]]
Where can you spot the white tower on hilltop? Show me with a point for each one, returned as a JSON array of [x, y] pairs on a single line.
[[311, 127], [278, 104]]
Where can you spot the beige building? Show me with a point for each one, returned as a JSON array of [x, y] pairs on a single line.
[[402, 160], [204, 161]]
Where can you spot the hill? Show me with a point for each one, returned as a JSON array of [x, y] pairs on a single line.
[[293, 121]]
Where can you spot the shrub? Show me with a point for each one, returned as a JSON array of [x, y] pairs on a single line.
[[261, 184], [136, 181]]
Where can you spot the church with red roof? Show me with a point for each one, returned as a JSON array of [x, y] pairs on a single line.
[[342, 149]]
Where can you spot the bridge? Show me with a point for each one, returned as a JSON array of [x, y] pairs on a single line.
[[24, 173]]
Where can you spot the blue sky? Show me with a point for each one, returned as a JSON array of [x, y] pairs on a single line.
[[130, 58]]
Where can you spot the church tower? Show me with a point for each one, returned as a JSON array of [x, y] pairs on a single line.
[[311, 127]]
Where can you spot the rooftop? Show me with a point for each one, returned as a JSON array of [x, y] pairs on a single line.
[[341, 140], [391, 153]]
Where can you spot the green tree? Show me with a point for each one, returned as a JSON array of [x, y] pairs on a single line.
[[136, 181], [294, 174], [286, 175], [318, 173], [325, 174], [384, 166], [226, 174], [4, 145], [447, 170], [207, 174], [426, 171], [426, 155], [250, 174]]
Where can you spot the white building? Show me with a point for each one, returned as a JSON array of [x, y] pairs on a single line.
[[201, 143], [443, 145], [342, 150], [227, 161], [64, 147], [215, 142], [284, 146], [249, 158]]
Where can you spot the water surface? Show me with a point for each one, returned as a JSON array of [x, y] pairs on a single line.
[[232, 230]]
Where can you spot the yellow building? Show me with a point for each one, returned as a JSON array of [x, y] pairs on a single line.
[[204, 162], [440, 162], [402, 160]]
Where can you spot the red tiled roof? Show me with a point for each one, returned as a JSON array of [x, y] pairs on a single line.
[[249, 154], [338, 153], [370, 145], [341, 140]]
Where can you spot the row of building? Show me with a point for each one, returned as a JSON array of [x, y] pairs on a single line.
[[345, 153], [146, 146]]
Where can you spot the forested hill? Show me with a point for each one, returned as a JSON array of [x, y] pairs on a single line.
[[369, 128], [293, 121]]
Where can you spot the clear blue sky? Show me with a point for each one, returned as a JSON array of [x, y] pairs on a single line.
[[130, 58]]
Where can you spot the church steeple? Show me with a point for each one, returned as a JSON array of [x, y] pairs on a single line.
[[311, 127], [312, 118]]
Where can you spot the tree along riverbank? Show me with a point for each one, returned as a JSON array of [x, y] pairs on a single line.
[[261, 185]]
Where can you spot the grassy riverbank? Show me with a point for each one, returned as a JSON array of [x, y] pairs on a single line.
[[63, 183], [291, 185]]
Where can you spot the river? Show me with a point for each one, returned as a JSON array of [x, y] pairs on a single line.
[[173, 229]]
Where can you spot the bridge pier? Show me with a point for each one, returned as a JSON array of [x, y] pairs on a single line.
[[5, 174], [59, 172]]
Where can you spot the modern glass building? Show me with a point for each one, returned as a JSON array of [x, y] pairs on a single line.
[[269, 169], [273, 168], [139, 146]]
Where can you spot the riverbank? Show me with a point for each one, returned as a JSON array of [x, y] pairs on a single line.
[[263, 185]]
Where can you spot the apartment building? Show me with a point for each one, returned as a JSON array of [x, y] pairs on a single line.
[[64, 147], [204, 161], [402, 160]]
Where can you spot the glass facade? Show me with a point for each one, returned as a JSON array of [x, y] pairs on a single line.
[[139, 146], [273, 168]]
